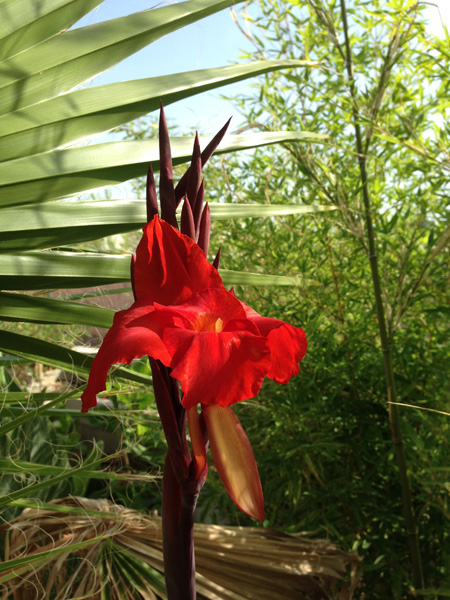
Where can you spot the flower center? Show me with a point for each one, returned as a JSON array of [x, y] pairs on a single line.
[[208, 322]]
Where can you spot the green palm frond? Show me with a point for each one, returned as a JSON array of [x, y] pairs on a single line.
[[46, 116]]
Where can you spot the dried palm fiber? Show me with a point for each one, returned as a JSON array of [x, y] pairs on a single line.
[[120, 557]]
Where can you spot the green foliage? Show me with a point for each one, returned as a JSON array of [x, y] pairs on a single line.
[[45, 121], [323, 442], [37, 442], [324, 445]]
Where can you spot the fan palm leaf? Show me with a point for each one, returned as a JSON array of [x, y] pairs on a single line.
[[75, 546]]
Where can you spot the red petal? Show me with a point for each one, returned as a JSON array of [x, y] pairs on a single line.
[[287, 345], [234, 460], [129, 337], [170, 267], [217, 368]]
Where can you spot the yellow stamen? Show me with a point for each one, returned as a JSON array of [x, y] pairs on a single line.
[[219, 325]]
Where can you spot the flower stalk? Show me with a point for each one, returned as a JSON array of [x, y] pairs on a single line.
[[205, 348]]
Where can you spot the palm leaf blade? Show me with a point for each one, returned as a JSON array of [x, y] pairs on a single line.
[[51, 270], [47, 176], [24, 24], [58, 356], [61, 63], [53, 224], [87, 112]]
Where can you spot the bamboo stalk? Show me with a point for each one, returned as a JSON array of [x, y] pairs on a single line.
[[386, 346]]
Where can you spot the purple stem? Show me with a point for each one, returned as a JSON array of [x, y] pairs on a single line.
[[180, 489], [170, 421], [178, 544]]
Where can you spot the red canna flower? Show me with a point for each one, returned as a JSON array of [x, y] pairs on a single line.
[[201, 338], [217, 347], [198, 333]]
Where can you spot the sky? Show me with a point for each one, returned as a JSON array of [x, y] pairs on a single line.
[[212, 42]]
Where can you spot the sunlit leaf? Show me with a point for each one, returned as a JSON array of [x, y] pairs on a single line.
[[53, 224], [61, 62], [88, 112], [50, 270], [24, 24], [52, 175], [59, 357]]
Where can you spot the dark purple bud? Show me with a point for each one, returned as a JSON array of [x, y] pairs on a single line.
[[205, 230], [195, 174], [187, 220], [151, 197], [216, 260], [198, 206], [166, 191], [180, 190]]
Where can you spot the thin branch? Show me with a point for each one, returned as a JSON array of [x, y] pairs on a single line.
[[394, 415]]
